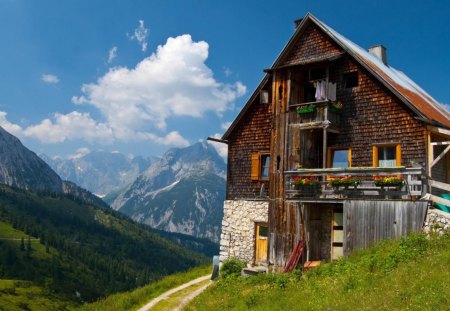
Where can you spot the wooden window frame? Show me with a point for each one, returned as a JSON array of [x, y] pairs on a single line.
[[330, 151], [257, 166], [398, 153]]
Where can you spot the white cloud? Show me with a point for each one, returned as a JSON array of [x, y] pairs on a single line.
[[112, 54], [140, 35], [81, 152], [222, 149], [174, 81], [14, 129], [224, 126], [74, 125], [134, 104], [49, 78], [446, 106]]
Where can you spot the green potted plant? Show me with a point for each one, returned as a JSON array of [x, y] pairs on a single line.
[[304, 109], [345, 182]]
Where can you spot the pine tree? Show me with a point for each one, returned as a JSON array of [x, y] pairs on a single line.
[[29, 245], [22, 244]]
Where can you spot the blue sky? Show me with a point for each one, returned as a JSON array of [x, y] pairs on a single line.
[[143, 76]]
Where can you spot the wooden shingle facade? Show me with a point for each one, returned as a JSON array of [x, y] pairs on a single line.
[[345, 149]]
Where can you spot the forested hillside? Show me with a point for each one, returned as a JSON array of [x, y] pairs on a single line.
[[83, 251]]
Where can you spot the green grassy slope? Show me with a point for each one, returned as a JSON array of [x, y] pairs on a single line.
[[75, 247], [410, 274]]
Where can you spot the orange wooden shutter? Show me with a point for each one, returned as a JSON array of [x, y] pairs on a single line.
[[398, 154], [255, 166]]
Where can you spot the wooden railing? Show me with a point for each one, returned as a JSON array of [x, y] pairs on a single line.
[[414, 183], [321, 111]]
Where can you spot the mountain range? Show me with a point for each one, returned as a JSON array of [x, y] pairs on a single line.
[[183, 191], [78, 247], [100, 172]]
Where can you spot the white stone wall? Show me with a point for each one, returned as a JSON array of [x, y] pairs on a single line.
[[238, 228], [437, 221]]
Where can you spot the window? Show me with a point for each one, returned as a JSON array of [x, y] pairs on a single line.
[[350, 80], [265, 161], [260, 166], [387, 155], [339, 157]]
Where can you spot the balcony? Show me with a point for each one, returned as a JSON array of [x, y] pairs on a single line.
[[365, 183], [315, 115]]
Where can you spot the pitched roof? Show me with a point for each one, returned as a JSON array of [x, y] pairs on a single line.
[[425, 106]]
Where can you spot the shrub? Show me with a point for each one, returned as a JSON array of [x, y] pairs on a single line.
[[231, 267]]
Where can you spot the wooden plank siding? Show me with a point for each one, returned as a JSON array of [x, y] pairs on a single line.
[[368, 222], [251, 135], [371, 115]]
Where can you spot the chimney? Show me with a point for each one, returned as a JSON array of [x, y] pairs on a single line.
[[380, 52]]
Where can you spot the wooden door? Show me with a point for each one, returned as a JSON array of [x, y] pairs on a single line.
[[261, 243]]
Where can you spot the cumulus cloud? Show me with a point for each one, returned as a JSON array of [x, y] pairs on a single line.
[[174, 81], [49, 78], [222, 149], [140, 35], [224, 126], [14, 129], [74, 125], [112, 54], [134, 104]]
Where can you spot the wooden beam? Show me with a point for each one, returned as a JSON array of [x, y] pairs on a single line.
[[430, 153], [443, 153], [439, 185], [439, 130], [437, 199], [440, 143]]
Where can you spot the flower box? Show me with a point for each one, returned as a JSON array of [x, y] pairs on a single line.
[[388, 181], [345, 182], [306, 109]]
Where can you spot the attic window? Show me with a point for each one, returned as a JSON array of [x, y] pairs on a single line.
[[350, 80]]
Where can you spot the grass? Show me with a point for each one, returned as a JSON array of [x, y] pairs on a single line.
[[23, 295], [8, 232], [409, 274], [134, 299]]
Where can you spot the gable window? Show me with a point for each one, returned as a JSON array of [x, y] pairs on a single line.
[[350, 80], [339, 158], [260, 166], [387, 155]]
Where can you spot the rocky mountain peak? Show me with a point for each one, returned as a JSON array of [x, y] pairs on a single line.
[[22, 168]]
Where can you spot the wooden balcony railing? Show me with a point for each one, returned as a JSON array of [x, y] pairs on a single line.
[[314, 114], [413, 186]]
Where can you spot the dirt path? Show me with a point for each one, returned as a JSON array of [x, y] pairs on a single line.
[[188, 296]]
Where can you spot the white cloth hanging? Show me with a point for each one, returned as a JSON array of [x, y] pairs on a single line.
[[331, 91], [321, 90]]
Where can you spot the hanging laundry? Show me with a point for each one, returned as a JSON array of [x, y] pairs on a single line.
[[331, 91], [318, 86], [321, 90]]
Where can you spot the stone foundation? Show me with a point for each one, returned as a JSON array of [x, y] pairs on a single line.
[[437, 221], [238, 228]]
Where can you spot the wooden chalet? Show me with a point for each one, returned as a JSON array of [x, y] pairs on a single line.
[[334, 150]]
